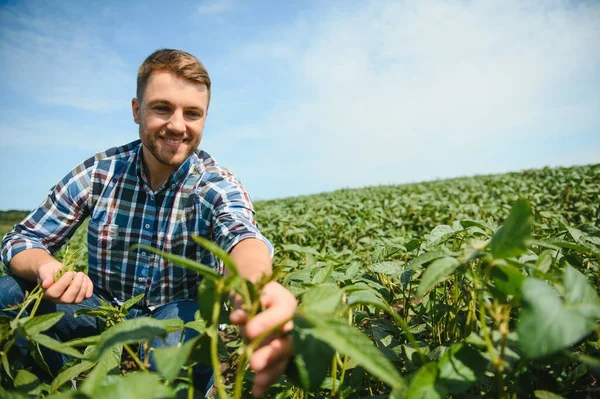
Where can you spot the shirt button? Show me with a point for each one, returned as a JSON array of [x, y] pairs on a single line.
[[141, 280], [147, 225], [173, 186], [143, 254]]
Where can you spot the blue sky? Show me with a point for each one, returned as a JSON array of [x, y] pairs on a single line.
[[308, 96]]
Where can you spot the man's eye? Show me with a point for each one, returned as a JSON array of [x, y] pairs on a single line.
[[161, 109], [194, 115]]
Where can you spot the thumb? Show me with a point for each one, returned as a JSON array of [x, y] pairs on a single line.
[[46, 278]]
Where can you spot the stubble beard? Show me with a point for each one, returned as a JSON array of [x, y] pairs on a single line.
[[165, 156]]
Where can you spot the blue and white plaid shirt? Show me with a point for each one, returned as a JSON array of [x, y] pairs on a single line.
[[111, 188]]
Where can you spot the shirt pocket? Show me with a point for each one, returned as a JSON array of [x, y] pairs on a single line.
[[103, 237]]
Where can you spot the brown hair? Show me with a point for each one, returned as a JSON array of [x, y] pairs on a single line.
[[179, 62]]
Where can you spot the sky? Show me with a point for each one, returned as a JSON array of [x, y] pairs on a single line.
[[308, 96]]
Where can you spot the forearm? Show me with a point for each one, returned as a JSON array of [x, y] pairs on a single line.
[[26, 263], [252, 258]]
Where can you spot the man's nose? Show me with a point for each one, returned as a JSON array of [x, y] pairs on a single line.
[[176, 122]]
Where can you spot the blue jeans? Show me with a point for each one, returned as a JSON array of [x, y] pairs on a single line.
[[12, 292]]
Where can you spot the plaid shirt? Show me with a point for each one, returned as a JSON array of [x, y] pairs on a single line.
[[111, 188]]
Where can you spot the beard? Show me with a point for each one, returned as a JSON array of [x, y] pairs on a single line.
[[165, 154]]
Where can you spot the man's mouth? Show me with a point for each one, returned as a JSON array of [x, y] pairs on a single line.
[[172, 141]]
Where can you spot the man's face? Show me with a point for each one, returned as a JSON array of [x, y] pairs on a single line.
[[171, 117]]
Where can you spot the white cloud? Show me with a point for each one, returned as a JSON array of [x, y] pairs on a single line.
[[58, 60], [435, 86]]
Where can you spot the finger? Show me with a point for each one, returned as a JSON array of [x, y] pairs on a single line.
[[46, 275], [71, 293], [277, 350], [47, 282], [236, 300], [58, 288], [264, 379], [267, 320], [90, 289], [83, 290], [238, 317]]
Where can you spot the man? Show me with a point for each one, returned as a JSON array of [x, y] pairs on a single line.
[[158, 191]]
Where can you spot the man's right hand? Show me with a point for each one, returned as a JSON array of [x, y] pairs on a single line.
[[72, 287]]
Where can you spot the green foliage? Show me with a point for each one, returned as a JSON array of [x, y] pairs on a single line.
[[471, 287]]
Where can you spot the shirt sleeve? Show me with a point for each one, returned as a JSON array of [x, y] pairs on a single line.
[[52, 224], [233, 216]]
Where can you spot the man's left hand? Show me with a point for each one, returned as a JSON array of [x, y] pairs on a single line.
[[271, 359]]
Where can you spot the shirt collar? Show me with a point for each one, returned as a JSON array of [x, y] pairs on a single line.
[[174, 178]]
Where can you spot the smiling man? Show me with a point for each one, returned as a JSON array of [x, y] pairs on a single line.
[[159, 191]]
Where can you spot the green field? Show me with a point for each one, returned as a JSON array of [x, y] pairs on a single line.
[[468, 287]]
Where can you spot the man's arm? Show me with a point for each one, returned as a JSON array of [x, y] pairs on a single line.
[[253, 260], [27, 249]]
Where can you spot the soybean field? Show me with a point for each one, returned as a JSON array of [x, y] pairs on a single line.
[[472, 287]]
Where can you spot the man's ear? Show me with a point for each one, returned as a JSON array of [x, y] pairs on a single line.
[[135, 108]]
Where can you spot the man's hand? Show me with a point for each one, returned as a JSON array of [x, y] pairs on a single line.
[[271, 359], [71, 287]]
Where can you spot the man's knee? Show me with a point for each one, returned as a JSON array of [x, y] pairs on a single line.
[[12, 290], [183, 309]]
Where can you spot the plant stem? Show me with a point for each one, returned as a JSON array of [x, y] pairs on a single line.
[[239, 377], [190, 394], [333, 374], [135, 358], [213, 333]]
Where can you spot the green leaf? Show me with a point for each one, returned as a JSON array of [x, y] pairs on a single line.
[[545, 325], [436, 272], [350, 341], [511, 239], [4, 356], [474, 223], [539, 394], [135, 385], [206, 296], [56, 346], [424, 258], [41, 323], [13, 395], [580, 296], [132, 301], [303, 250], [132, 331], [189, 264], [591, 362], [507, 280], [25, 381], [108, 364], [544, 261], [366, 297], [322, 299], [323, 274], [85, 341], [70, 373], [556, 244], [171, 359], [439, 234], [196, 325], [313, 356], [424, 384], [218, 252], [389, 268], [460, 367]]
